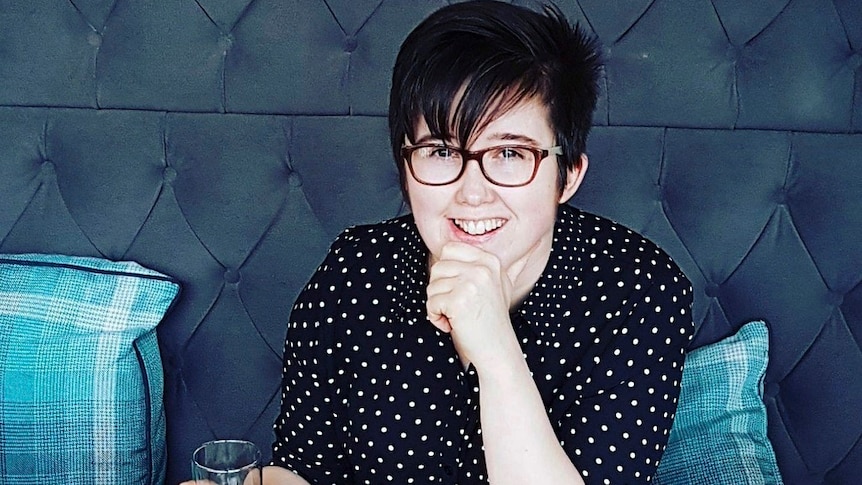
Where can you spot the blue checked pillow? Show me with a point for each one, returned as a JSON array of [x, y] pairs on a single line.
[[719, 433], [81, 378]]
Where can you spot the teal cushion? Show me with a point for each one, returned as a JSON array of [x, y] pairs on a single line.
[[81, 380], [719, 433]]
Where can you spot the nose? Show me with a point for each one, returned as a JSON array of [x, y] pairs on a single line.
[[474, 188]]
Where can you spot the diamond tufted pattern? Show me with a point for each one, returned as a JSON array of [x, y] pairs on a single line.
[[227, 142]]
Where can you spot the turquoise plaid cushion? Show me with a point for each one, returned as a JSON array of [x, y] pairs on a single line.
[[81, 379], [719, 434]]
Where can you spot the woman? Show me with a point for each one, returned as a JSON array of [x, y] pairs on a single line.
[[496, 334]]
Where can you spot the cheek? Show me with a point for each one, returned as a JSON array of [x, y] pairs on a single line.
[[417, 198], [427, 208], [551, 183], [426, 199]]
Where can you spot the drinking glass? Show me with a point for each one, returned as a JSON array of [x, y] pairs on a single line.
[[227, 462]]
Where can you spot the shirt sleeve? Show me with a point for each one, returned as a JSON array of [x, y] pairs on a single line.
[[617, 429], [310, 427]]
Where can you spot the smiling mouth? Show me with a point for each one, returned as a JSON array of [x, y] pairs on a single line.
[[480, 227]]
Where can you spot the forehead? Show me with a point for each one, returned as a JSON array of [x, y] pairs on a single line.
[[525, 121]]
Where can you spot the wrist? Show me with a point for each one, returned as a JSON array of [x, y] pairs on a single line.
[[504, 360]]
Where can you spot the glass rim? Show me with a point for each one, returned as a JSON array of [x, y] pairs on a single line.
[[254, 464]]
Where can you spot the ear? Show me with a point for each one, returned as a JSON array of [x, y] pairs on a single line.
[[573, 180]]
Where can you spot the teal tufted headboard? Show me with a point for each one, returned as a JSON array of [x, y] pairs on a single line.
[[227, 142]]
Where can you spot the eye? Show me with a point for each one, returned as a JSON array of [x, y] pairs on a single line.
[[510, 154], [437, 153], [440, 152], [513, 153]]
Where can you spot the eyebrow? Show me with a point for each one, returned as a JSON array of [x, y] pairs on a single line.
[[427, 139], [514, 137], [495, 136]]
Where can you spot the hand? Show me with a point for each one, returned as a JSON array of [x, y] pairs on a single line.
[[250, 479], [469, 295], [272, 475]]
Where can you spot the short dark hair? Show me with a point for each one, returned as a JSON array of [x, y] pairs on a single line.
[[499, 54]]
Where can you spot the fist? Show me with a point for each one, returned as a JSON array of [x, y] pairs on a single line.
[[469, 295]]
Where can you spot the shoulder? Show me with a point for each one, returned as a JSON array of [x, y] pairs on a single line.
[[610, 247], [627, 278], [364, 263], [379, 258], [387, 236], [632, 297], [359, 249]]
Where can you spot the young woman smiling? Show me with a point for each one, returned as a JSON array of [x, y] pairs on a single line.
[[496, 334]]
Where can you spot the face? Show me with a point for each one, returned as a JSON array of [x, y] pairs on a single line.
[[514, 223]]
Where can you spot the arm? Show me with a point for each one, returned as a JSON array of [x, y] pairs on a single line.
[[614, 425], [520, 443], [308, 439], [617, 426], [469, 295], [273, 475]]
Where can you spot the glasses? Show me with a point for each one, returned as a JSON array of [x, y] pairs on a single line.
[[504, 165]]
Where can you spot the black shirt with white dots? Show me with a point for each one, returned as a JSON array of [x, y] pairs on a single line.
[[373, 393]]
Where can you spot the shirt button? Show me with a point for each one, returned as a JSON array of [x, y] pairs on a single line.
[[448, 470]]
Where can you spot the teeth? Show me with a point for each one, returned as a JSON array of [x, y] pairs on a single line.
[[476, 228]]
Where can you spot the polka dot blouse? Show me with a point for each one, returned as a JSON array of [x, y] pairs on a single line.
[[373, 393]]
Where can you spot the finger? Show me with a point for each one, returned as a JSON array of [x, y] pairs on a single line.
[[440, 321], [470, 256], [449, 269], [448, 300], [459, 251], [438, 293]]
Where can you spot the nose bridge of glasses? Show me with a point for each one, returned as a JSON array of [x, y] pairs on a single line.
[[467, 155], [477, 169], [477, 156], [474, 186]]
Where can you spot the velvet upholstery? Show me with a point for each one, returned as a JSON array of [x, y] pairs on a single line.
[[226, 143]]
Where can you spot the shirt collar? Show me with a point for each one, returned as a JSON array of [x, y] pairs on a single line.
[[545, 308]]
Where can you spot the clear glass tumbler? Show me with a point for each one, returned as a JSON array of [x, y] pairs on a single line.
[[227, 462]]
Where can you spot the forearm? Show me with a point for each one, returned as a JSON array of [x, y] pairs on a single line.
[[273, 475], [520, 443]]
